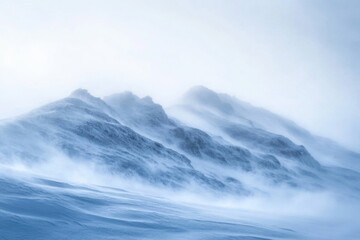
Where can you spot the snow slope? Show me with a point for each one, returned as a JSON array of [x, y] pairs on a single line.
[[211, 167], [149, 119], [222, 112], [38, 208]]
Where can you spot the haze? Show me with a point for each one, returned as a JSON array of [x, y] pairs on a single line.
[[296, 58]]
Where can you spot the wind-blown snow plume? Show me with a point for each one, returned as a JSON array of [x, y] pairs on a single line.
[[209, 150]]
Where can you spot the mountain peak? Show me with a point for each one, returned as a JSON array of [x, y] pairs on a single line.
[[82, 94], [135, 110], [124, 97], [199, 89], [207, 97], [201, 94], [148, 99], [128, 98]]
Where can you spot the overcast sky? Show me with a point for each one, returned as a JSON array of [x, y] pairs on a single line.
[[297, 58]]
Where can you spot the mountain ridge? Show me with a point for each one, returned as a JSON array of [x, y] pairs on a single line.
[[136, 138], [252, 116]]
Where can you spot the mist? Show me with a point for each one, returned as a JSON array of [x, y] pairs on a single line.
[[241, 158], [270, 207], [297, 58]]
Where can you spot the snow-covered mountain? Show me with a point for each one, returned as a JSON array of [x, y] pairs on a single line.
[[203, 108], [135, 137], [209, 145], [85, 128], [150, 119]]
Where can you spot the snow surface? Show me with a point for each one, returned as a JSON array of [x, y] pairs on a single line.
[[212, 167]]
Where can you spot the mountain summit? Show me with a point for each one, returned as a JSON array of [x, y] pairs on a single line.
[[209, 141], [226, 115]]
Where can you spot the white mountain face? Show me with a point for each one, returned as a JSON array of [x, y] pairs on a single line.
[[222, 113], [151, 120], [209, 145]]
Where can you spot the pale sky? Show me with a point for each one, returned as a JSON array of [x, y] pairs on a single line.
[[297, 58]]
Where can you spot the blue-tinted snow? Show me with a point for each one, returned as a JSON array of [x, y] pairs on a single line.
[[212, 167]]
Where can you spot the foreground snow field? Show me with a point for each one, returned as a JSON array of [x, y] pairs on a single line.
[[33, 207]]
